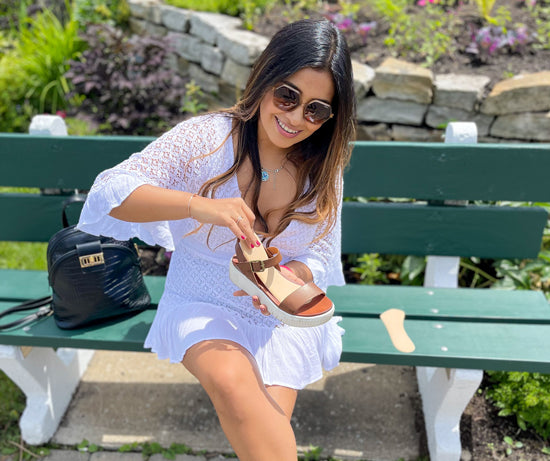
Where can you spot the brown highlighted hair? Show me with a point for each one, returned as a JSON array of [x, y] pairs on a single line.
[[321, 158]]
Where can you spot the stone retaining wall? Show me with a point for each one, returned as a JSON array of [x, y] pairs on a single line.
[[396, 101]]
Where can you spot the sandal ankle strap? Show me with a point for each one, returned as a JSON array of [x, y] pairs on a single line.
[[258, 265]]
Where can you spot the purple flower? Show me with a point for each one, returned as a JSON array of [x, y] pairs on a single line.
[[345, 25]]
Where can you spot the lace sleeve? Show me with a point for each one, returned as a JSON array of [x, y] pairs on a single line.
[[166, 162], [323, 256]]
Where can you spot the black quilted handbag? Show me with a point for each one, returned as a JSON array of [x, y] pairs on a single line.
[[93, 279]]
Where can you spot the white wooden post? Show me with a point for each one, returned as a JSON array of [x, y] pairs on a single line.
[[48, 377], [446, 392]]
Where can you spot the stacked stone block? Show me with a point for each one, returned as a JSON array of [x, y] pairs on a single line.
[[396, 101]]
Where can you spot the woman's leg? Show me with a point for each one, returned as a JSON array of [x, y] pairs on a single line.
[[254, 423], [285, 397]]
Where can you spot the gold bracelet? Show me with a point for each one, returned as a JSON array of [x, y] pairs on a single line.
[[189, 206]]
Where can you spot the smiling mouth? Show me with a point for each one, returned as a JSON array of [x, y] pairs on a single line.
[[284, 127]]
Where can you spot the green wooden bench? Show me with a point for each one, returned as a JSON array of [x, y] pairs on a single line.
[[457, 331]]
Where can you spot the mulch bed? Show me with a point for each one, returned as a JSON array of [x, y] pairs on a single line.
[[501, 65]]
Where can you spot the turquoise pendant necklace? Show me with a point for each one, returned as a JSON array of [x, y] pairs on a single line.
[[267, 174]]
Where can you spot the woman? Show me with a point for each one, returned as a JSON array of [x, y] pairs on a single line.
[[271, 165]]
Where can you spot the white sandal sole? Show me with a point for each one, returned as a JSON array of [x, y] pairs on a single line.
[[239, 279]]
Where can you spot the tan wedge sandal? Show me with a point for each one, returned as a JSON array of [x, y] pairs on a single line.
[[257, 272]]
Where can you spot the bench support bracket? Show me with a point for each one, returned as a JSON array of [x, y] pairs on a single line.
[[446, 392], [445, 395], [48, 378]]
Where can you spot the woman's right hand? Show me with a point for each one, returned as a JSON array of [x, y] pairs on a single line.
[[232, 213]]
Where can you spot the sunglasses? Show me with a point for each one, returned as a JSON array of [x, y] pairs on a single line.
[[287, 99]]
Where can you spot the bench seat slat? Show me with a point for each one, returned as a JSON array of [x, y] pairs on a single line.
[[21, 285], [485, 346], [440, 304], [415, 229], [354, 300], [121, 335]]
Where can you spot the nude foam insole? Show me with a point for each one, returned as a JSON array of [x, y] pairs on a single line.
[[394, 321]]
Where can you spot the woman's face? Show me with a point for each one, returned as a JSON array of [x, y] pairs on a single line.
[[282, 129]]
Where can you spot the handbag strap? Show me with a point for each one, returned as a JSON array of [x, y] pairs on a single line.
[[76, 198], [42, 304]]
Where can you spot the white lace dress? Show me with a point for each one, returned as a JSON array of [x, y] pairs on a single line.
[[198, 302]]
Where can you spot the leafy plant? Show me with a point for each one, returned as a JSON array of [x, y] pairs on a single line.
[[127, 87], [525, 274], [153, 448], [32, 73], [541, 15], [312, 454], [511, 445], [412, 270], [407, 34], [192, 103], [525, 396], [367, 266], [298, 9], [485, 7], [87, 447], [114, 12], [229, 7]]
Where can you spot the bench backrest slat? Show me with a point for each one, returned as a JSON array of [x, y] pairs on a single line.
[[421, 171], [33, 217], [436, 171], [413, 229], [70, 162]]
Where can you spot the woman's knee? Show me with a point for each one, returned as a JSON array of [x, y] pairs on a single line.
[[226, 371]]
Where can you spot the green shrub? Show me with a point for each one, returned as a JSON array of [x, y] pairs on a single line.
[[247, 9], [114, 12], [32, 77], [407, 32], [525, 396], [12, 404]]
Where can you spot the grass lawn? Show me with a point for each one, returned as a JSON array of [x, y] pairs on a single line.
[[15, 255]]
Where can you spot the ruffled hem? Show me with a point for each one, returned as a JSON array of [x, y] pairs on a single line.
[[95, 218], [286, 356]]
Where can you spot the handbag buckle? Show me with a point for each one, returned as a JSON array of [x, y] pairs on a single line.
[[91, 260]]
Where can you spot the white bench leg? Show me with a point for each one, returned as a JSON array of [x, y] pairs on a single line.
[[445, 394], [48, 378]]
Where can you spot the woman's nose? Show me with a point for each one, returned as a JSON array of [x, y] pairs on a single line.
[[296, 116]]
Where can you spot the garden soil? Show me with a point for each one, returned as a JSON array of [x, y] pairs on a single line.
[[498, 66]]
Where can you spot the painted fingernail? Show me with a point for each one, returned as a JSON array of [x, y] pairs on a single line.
[[252, 246], [243, 237], [258, 243]]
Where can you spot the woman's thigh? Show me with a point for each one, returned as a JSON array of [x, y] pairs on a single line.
[[228, 371], [285, 398]]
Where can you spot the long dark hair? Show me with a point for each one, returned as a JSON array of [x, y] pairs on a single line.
[[321, 158]]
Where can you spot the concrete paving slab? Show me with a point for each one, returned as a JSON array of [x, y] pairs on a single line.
[[355, 412], [66, 455], [116, 456]]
